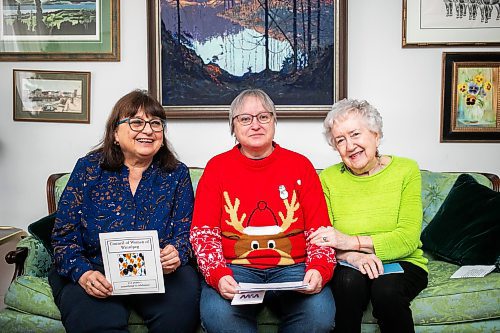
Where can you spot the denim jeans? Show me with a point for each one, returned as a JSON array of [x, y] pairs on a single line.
[[297, 312]]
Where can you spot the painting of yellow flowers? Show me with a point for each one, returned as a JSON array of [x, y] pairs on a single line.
[[471, 97]]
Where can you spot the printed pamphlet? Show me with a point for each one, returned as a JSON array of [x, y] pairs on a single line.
[[132, 262]]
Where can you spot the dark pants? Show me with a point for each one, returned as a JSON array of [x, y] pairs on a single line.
[[390, 295], [177, 310]]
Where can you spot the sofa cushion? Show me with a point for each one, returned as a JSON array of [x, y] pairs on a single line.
[[42, 230], [13, 321], [33, 295], [435, 188], [38, 261], [448, 301], [465, 229], [30, 294]]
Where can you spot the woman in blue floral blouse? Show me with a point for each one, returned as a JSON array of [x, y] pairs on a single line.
[[132, 181]]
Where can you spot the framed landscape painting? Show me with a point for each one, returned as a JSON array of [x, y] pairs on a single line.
[[202, 54], [432, 23], [53, 96], [471, 97], [54, 30]]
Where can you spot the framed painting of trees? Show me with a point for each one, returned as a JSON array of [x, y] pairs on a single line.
[[54, 30], [202, 54]]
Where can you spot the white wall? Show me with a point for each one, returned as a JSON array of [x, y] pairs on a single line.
[[405, 85]]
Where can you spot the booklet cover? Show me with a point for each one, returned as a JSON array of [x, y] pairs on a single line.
[[388, 268], [132, 262]]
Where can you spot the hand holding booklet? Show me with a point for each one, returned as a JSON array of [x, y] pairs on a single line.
[[253, 293], [132, 262]]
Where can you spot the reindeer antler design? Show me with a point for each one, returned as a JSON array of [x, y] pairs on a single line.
[[291, 208], [232, 210]]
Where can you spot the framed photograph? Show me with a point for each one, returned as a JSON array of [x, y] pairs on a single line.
[[52, 96], [431, 23], [471, 97], [54, 30], [202, 55]]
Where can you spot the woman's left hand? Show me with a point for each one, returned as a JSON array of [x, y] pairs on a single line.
[[169, 259], [328, 236], [315, 281], [367, 263]]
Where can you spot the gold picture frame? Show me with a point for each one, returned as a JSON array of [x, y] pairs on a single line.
[[470, 109]]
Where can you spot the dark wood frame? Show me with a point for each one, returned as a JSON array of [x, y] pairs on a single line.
[[43, 55], [450, 64], [58, 117], [221, 111], [408, 44]]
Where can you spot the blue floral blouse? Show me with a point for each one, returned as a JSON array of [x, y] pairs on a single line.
[[97, 200]]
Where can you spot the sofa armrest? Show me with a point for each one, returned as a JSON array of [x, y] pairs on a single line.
[[31, 258], [495, 180], [17, 258]]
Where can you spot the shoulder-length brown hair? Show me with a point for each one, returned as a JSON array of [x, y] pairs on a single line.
[[128, 106]]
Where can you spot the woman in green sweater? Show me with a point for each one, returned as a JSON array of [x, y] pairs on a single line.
[[375, 207]]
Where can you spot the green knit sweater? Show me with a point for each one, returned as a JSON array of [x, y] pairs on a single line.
[[386, 206]]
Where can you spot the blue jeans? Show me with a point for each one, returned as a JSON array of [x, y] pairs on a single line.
[[297, 312]]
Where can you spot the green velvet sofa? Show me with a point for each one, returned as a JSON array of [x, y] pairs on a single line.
[[446, 305]]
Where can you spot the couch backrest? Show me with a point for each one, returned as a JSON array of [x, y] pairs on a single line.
[[435, 188]]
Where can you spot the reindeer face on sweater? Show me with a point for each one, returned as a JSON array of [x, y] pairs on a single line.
[[262, 240]]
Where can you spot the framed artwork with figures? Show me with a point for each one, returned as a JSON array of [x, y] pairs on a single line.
[[438, 23], [471, 97], [202, 54]]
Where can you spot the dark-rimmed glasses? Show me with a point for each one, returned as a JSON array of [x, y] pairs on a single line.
[[138, 124], [246, 119]]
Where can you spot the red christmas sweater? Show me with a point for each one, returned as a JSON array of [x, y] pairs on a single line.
[[258, 213]]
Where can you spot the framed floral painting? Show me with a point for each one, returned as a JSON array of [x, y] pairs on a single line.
[[471, 97]]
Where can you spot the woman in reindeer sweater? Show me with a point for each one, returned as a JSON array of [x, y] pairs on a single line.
[[255, 206]]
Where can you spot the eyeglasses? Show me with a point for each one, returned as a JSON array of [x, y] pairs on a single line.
[[246, 119], [138, 124]]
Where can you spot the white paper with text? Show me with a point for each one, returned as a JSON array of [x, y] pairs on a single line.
[[473, 271], [132, 262]]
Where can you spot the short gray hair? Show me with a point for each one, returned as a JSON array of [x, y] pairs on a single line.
[[237, 103], [346, 107]]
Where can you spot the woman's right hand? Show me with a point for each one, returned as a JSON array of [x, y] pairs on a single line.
[[367, 263], [228, 287], [95, 284]]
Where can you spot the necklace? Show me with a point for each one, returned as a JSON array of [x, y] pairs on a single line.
[[376, 168]]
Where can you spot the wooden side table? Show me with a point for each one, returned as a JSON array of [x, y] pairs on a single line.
[[9, 237]]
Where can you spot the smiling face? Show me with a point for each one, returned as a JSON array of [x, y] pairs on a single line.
[[138, 147], [256, 139], [356, 144]]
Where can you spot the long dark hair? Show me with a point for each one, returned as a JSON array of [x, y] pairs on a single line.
[[128, 106]]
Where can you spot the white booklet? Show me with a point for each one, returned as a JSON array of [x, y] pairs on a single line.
[[132, 262], [473, 271], [253, 293], [249, 287]]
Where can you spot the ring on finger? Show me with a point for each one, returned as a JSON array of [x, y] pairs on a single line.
[[325, 239], [92, 283]]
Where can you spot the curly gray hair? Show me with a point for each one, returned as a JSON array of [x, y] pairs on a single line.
[[237, 103], [347, 107]]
